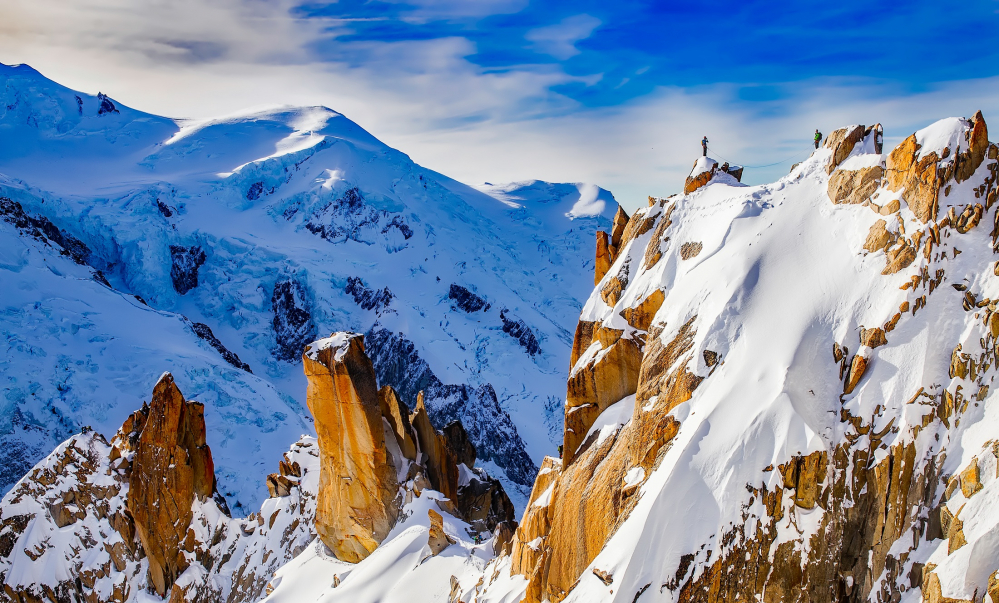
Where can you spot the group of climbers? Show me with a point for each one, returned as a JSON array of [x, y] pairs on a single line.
[[879, 140]]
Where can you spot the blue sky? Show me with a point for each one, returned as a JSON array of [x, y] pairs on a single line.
[[635, 46], [615, 93]]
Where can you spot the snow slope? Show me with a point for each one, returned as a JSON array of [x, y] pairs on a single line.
[[269, 230]]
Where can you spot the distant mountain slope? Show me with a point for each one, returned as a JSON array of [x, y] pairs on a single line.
[[222, 247]]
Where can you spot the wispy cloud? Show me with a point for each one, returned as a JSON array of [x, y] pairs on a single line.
[[559, 40]]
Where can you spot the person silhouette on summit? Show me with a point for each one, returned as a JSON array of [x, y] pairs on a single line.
[[704, 146], [818, 138]]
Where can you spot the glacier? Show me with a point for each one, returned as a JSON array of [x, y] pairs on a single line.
[[133, 244]]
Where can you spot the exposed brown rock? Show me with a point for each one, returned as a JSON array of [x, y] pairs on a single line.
[[481, 502], [690, 250], [438, 539], [595, 386], [639, 224], [611, 291], [734, 171], [804, 475], [641, 315], [879, 237], [657, 377], [841, 142], [978, 142], [357, 504], [918, 177], [484, 504], [971, 482], [849, 550], [857, 368], [586, 496], [617, 232], [891, 207], [440, 460], [923, 178], [396, 413], [457, 440], [172, 465], [955, 535], [503, 537], [873, 337], [854, 186], [582, 340], [606, 577], [654, 250], [899, 257], [695, 182], [604, 260], [279, 485], [536, 521]]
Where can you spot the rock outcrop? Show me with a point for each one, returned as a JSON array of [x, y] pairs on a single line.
[[438, 539], [702, 172], [171, 467], [854, 186], [841, 143], [448, 458], [706, 169], [359, 487], [609, 246], [924, 173], [369, 446], [606, 373], [141, 514]]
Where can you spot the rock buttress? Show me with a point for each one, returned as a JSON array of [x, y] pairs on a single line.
[[357, 504], [172, 465]]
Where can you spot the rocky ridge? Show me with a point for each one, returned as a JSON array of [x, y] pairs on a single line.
[[877, 504], [139, 516]]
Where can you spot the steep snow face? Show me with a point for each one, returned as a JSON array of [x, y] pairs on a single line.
[[783, 294], [222, 247]]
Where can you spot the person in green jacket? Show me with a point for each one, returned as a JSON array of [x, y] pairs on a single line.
[[818, 138]]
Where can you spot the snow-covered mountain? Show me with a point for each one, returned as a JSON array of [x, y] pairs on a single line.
[[132, 244], [774, 393]]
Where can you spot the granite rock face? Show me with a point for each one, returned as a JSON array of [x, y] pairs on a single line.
[[171, 467], [359, 485]]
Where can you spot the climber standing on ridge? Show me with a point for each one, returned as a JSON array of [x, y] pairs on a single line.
[[818, 137], [704, 146]]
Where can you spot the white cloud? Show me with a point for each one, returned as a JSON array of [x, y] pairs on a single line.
[[425, 10], [560, 40], [199, 60]]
